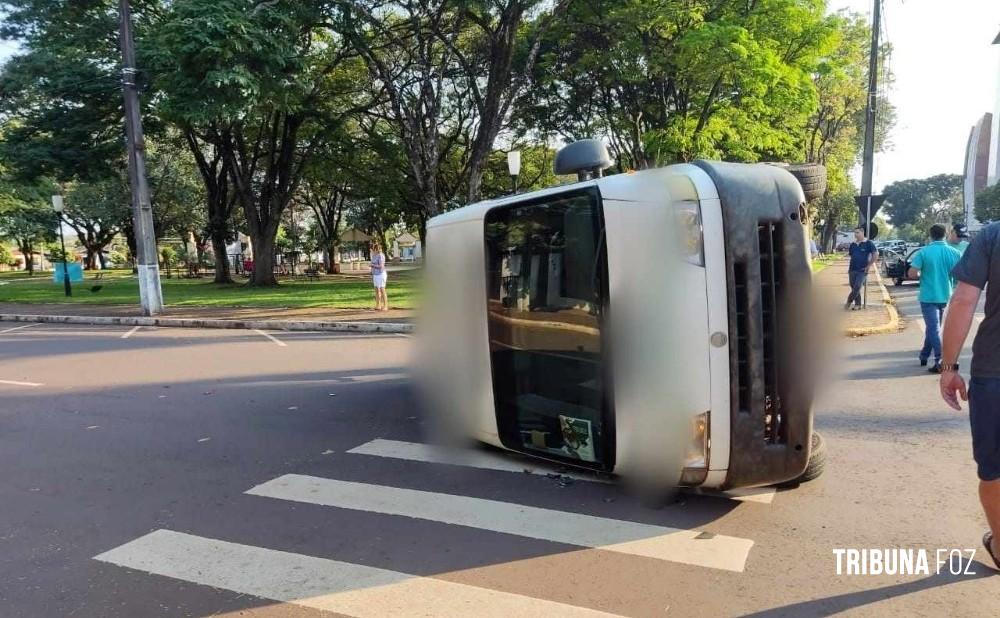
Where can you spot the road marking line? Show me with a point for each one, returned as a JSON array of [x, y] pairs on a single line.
[[321, 583], [920, 324], [19, 327], [626, 537], [453, 456], [271, 337], [14, 383], [131, 332], [492, 460]]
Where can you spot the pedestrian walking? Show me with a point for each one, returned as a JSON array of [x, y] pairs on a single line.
[[933, 265], [379, 277], [979, 266], [958, 237], [863, 254]]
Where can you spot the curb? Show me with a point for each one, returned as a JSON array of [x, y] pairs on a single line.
[[891, 326], [353, 327]]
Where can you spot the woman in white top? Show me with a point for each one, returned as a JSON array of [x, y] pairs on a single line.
[[379, 277]]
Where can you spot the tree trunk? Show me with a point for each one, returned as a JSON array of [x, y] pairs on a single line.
[[329, 258], [830, 235], [263, 259], [103, 260], [222, 274], [29, 258], [90, 261]]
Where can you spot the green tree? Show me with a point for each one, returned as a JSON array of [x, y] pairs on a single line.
[[97, 212], [263, 85], [925, 201], [29, 226], [988, 204], [6, 257], [25, 217], [670, 80], [834, 134]]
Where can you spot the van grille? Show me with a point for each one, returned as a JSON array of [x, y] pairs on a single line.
[[742, 338], [769, 246]]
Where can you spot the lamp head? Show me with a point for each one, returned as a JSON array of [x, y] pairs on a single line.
[[514, 162]]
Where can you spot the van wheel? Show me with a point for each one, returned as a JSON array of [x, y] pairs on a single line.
[[816, 465], [812, 177], [899, 282]]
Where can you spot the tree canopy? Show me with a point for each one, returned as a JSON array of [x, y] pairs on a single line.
[[388, 113], [924, 201]]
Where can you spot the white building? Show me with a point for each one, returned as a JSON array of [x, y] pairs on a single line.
[[994, 165], [982, 154], [978, 156]]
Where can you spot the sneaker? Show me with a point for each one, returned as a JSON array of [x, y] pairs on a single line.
[[935, 369], [923, 362]]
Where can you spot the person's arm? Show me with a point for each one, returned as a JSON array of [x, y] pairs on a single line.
[[958, 321], [871, 256], [915, 265]]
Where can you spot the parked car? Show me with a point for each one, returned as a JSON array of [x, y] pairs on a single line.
[[898, 246], [897, 265]]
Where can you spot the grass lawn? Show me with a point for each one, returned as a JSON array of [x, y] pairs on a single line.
[[817, 265], [121, 287]]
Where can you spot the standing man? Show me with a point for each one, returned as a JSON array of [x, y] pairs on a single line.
[[958, 237], [980, 265], [933, 265], [863, 254]]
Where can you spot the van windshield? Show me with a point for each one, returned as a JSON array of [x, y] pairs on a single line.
[[545, 279]]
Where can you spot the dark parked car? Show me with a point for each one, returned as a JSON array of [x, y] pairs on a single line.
[[897, 266]]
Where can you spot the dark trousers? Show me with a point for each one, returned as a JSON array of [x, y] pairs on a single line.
[[857, 280]]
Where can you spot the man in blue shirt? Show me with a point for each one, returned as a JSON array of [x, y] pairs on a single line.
[[863, 254], [933, 265]]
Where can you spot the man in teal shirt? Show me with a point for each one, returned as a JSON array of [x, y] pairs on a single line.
[[933, 265]]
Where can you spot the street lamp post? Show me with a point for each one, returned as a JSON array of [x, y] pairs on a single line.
[[514, 166], [59, 206]]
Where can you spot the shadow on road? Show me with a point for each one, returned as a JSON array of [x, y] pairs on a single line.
[[852, 600]]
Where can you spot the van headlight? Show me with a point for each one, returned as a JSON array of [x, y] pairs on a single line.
[[696, 454], [690, 234]]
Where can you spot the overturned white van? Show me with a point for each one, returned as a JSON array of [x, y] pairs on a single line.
[[645, 324]]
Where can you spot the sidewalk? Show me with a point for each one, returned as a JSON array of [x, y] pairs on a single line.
[[878, 317]]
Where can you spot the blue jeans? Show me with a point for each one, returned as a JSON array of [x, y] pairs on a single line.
[[857, 280], [933, 316]]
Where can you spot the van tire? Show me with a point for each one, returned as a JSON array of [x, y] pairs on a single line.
[[816, 465], [812, 177]]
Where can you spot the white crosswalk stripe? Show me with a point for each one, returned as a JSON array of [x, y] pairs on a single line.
[[492, 460], [330, 585], [660, 542]]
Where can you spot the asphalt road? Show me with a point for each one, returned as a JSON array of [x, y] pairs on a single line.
[[168, 472]]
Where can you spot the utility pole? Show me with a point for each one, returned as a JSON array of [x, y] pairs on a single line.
[[147, 260], [868, 205]]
